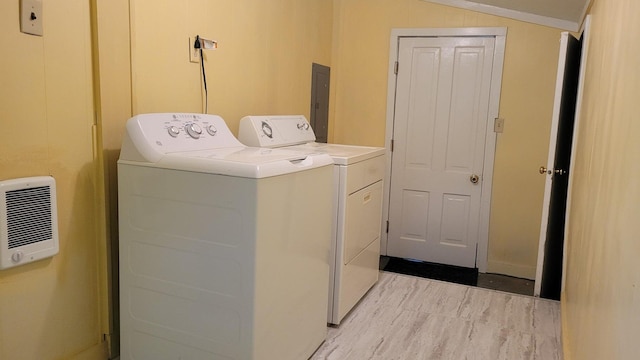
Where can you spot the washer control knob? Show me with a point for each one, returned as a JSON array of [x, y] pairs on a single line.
[[212, 130], [267, 130], [173, 131], [303, 126], [17, 256], [194, 130]]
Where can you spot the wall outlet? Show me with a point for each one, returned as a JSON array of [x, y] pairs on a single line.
[[194, 54], [31, 17]]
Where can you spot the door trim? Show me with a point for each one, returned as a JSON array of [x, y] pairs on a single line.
[[585, 38], [500, 34], [546, 257]]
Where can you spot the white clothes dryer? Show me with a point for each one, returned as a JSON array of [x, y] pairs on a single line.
[[357, 203], [223, 248]]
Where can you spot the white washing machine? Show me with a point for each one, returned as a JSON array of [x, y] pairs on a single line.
[[223, 248], [357, 199]]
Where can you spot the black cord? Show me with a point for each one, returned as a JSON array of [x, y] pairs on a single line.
[[198, 45], [204, 80]]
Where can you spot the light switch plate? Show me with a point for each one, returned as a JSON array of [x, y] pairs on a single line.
[[31, 17]]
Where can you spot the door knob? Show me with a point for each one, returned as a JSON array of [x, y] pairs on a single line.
[[543, 170], [474, 179]]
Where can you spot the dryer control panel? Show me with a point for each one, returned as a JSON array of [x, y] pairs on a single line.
[[275, 130], [150, 136]]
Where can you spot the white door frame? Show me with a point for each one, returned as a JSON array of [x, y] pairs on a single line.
[[586, 38], [551, 158], [500, 34], [585, 34]]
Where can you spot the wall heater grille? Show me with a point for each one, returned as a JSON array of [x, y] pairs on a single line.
[[28, 216], [28, 220]]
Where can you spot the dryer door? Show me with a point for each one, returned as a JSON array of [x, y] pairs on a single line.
[[363, 214]]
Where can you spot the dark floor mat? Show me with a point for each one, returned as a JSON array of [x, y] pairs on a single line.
[[454, 274]]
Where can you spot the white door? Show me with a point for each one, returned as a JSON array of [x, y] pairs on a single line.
[[551, 244], [441, 116]]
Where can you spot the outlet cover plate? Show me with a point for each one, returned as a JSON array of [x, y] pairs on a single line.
[[31, 17], [194, 54]]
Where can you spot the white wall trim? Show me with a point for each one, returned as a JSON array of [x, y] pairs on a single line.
[[513, 14], [574, 146], [584, 16], [500, 34]]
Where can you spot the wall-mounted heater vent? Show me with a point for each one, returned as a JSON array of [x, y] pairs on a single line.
[[28, 220]]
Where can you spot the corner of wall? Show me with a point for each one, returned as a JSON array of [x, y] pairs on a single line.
[[564, 329]]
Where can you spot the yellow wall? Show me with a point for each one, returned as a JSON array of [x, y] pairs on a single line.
[[262, 65], [112, 74], [50, 309], [362, 31], [601, 302]]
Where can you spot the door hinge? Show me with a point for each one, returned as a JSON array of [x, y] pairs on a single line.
[[392, 143], [498, 125], [395, 68], [387, 226]]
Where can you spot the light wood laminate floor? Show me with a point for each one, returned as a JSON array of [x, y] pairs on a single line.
[[410, 318]]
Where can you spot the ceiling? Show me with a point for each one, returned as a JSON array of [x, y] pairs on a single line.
[[562, 14]]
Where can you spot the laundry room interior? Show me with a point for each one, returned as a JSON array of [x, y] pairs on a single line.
[[67, 95]]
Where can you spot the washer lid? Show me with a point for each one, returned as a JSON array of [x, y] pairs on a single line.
[[341, 154], [247, 162], [203, 143]]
